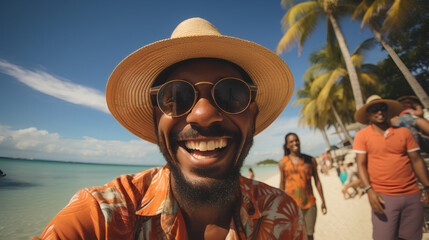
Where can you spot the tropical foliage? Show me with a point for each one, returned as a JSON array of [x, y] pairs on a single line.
[[412, 45], [400, 26], [326, 95], [384, 17], [300, 21], [267, 162]]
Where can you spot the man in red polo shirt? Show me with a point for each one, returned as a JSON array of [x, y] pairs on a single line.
[[388, 162]]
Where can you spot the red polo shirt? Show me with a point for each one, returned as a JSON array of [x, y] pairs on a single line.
[[389, 167]]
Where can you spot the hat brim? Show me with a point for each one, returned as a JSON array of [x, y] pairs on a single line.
[[393, 109], [128, 95]]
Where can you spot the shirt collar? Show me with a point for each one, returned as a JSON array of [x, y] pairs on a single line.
[[153, 201], [389, 131], [158, 199]]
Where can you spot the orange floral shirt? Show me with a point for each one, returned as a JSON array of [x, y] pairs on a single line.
[[298, 180], [142, 206]]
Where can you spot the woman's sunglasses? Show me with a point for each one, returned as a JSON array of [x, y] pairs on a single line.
[[375, 109], [177, 97]]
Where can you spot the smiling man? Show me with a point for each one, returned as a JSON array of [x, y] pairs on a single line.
[[201, 97], [388, 163]]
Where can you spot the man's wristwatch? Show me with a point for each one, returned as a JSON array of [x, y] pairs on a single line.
[[365, 190]]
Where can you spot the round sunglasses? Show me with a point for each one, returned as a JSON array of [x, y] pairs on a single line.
[[176, 98], [375, 109]]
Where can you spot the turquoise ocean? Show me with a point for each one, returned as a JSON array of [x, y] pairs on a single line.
[[34, 191]]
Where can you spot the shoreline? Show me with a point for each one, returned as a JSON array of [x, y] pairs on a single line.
[[273, 181]]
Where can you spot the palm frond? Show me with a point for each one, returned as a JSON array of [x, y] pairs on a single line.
[[334, 77], [301, 101], [370, 79], [376, 7], [297, 12], [318, 83], [304, 26], [360, 11], [314, 70], [357, 60], [365, 46], [396, 14], [286, 3]]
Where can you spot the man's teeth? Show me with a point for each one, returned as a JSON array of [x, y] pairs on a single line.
[[206, 145]]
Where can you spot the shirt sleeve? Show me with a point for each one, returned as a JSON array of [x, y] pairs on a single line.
[[359, 145], [411, 142], [80, 219]]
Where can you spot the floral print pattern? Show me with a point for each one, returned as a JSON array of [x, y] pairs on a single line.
[[142, 206]]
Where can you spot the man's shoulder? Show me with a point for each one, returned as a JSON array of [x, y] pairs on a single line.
[[264, 194], [365, 130], [364, 133], [126, 187], [400, 130]]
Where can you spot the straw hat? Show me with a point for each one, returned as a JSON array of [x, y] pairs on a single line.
[[412, 98], [127, 91], [393, 108]]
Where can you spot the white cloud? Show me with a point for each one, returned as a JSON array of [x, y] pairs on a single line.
[[40, 144], [50, 85]]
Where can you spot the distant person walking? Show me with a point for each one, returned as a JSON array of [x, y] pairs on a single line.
[[296, 171], [388, 160], [326, 160], [251, 174]]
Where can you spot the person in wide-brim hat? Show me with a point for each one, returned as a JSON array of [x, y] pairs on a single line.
[[393, 108], [128, 95]]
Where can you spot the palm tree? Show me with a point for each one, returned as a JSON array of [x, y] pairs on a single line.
[[329, 85], [309, 115], [329, 69], [383, 16], [300, 21]]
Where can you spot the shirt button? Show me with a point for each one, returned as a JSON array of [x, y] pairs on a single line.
[[251, 211]]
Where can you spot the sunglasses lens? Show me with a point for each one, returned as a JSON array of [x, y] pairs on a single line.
[[176, 98], [375, 109], [232, 95], [372, 110]]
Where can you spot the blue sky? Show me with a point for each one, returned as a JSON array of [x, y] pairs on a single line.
[[56, 57]]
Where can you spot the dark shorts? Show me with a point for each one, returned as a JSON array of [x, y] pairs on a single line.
[[310, 215], [403, 217]]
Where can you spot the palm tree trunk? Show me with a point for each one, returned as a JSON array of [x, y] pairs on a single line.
[[338, 132], [417, 88], [325, 136], [348, 60], [337, 117]]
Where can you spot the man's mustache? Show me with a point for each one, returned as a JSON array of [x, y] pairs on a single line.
[[211, 131]]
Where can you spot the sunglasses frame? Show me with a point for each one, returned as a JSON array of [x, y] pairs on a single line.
[[378, 108], [154, 91]]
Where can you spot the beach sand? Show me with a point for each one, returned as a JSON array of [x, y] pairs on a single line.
[[346, 219]]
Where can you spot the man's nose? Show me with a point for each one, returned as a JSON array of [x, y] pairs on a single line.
[[204, 113]]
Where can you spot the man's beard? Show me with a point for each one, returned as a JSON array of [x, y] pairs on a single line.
[[216, 192]]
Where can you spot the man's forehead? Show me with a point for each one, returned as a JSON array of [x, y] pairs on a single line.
[[193, 66], [377, 104], [201, 68]]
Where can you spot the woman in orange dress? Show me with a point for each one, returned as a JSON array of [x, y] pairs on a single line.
[[296, 172]]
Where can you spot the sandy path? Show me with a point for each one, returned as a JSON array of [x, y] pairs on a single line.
[[346, 219]]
